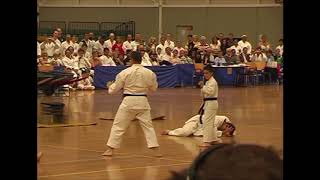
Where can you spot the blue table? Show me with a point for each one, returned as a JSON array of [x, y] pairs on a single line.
[[168, 76]]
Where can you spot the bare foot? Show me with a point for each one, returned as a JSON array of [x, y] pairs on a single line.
[[108, 152], [156, 152], [39, 155], [165, 132]]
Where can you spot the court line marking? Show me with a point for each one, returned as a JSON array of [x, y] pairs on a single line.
[[120, 169], [164, 158], [74, 148], [134, 155], [86, 160]]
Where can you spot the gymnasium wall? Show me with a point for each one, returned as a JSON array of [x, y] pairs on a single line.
[[206, 21]]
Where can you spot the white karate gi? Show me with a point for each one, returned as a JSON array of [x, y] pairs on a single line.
[[133, 80]]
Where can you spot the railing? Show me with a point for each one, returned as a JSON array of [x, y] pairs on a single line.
[[80, 28]]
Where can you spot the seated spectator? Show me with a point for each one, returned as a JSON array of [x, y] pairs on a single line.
[[67, 43], [121, 59], [168, 42], [154, 58], [98, 46], [197, 58], [258, 55], [236, 47], [74, 40], [95, 60], [167, 58], [56, 60], [230, 39], [178, 47], [224, 46], [85, 84], [87, 54], [128, 43], [263, 43], [220, 38], [190, 45], [88, 42], [245, 56], [69, 63], [269, 55], [278, 56], [208, 57], [106, 59], [215, 46], [82, 61], [235, 57], [137, 41], [244, 43], [116, 59], [280, 46], [184, 58], [49, 46], [110, 42], [152, 44], [228, 55], [161, 46], [203, 46], [232, 162], [145, 57], [220, 59], [126, 60], [118, 46], [38, 50], [196, 40], [175, 58], [44, 58]]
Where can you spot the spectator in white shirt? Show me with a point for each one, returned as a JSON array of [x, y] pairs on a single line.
[[175, 58], [167, 58], [55, 37], [220, 38], [128, 43], [263, 43], [82, 61], [95, 60], [168, 42], [85, 84], [258, 55], [152, 44], [56, 59], [38, 50], [179, 47], [110, 42], [220, 59], [161, 46], [43, 59], [184, 58], [87, 54], [137, 41], [280, 46], [215, 46], [68, 61], [99, 44], [269, 55], [203, 46], [106, 59], [87, 42], [74, 40], [59, 33], [236, 47], [145, 57], [154, 58], [244, 43], [49, 46], [66, 43]]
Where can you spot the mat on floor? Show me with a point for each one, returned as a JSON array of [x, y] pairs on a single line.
[[66, 125], [154, 118]]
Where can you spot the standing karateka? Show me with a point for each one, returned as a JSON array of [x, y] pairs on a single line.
[[135, 81]]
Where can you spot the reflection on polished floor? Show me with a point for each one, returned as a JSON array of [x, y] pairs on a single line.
[[75, 152]]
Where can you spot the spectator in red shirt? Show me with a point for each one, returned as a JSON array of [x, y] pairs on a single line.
[[118, 46]]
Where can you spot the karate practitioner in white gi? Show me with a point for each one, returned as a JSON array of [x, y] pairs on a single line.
[[209, 107], [193, 127], [135, 81]]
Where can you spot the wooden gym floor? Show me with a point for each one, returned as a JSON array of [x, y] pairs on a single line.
[[75, 152]]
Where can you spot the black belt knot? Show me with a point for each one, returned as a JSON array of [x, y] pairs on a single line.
[[201, 110]]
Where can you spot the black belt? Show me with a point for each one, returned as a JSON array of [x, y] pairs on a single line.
[[125, 95], [201, 110]]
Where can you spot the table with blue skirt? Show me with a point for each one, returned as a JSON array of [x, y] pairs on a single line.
[[169, 76]]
